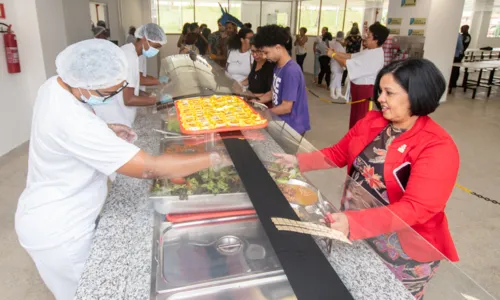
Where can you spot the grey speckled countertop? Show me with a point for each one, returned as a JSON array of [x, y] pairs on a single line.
[[119, 266]]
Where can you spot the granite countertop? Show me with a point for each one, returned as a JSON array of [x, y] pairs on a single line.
[[119, 266]]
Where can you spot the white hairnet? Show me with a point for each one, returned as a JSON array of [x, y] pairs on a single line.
[[92, 64], [152, 32], [97, 30]]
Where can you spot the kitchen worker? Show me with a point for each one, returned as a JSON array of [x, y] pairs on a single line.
[[123, 106], [71, 154], [363, 68]]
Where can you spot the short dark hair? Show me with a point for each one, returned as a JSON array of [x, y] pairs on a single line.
[[234, 42], [303, 29], [420, 78], [354, 31], [185, 28], [248, 25], [131, 30], [271, 35], [379, 32], [327, 36], [206, 32], [325, 28], [193, 26], [191, 38]]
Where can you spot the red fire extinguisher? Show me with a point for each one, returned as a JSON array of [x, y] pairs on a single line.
[[11, 51]]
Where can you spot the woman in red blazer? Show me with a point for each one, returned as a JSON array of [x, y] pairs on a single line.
[[406, 225]]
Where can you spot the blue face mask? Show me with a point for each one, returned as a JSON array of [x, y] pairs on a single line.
[[92, 100], [150, 52]]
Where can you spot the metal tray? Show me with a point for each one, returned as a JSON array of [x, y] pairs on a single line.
[[201, 203], [165, 204], [224, 258]]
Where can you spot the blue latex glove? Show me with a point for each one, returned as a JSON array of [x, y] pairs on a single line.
[[166, 98], [163, 79]]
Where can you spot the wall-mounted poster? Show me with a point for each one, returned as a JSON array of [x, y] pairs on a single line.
[[418, 21], [408, 3], [416, 32], [395, 31], [394, 21]]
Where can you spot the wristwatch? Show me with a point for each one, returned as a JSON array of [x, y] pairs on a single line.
[[333, 54]]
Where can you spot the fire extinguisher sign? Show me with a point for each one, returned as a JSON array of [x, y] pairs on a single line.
[[2, 11]]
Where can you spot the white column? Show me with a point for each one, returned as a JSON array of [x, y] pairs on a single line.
[[441, 34], [475, 28]]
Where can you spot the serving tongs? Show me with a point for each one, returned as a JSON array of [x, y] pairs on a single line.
[[168, 135]]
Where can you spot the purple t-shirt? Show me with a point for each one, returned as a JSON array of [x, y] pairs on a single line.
[[289, 84]]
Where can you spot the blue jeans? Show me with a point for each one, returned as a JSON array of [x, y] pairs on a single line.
[[316, 64]]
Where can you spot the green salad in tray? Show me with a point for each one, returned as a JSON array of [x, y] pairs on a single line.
[[223, 181]]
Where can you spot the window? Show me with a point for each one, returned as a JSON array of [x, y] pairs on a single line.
[[260, 13], [208, 12], [354, 14], [494, 28], [332, 15], [173, 14], [309, 16]]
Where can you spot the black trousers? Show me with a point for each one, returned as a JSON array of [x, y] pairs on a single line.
[[300, 60], [324, 62], [344, 77], [455, 72]]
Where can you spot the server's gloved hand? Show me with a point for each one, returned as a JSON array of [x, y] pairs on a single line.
[[124, 132], [163, 79], [166, 99]]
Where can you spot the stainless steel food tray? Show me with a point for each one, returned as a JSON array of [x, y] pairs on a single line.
[[201, 203], [223, 258]]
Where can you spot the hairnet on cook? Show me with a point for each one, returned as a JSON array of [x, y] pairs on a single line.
[[152, 32], [92, 64], [97, 30]]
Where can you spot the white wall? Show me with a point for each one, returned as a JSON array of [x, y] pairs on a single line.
[[43, 29], [113, 24], [420, 10], [19, 90], [76, 20], [52, 30], [131, 14]]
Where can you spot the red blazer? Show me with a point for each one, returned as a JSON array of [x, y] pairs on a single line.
[[434, 163]]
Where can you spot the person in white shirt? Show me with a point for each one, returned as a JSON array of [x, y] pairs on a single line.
[[363, 68], [336, 68], [71, 154], [240, 60], [300, 47], [122, 107]]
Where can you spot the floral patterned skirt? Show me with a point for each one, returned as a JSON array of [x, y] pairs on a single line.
[[413, 274]]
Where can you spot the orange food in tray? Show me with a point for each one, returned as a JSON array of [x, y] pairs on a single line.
[[217, 114]]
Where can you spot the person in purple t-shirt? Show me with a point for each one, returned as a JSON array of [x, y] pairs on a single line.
[[289, 86]]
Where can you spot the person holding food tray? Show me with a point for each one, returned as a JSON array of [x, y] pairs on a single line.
[[72, 152], [402, 168]]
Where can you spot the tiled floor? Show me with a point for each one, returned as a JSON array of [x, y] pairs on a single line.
[[475, 225]]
